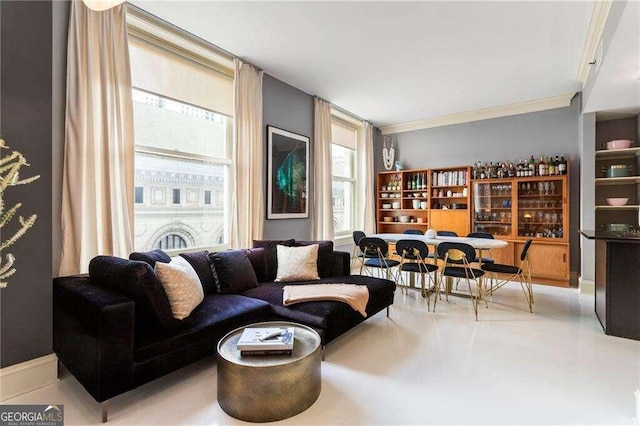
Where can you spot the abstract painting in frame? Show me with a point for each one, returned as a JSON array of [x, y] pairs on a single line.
[[288, 174]]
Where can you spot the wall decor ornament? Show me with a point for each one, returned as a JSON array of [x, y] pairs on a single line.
[[288, 174], [10, 166], [388, 152]]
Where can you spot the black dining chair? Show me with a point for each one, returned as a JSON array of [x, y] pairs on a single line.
[[412, 232], [486, 236], [356, 254], [375, 251], [446, 234], [457, 258], [522, 273], [413, 254]]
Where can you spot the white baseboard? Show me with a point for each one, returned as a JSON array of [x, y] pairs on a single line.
[[27, 376], [586, 286]]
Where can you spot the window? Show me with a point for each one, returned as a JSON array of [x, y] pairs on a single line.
[[343, 166], [171, 242], [183, 127], [139, 195]]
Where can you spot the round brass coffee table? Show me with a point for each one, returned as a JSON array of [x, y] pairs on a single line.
[[269, 388]]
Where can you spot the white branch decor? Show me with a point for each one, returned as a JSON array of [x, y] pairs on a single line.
[[10, 166], [388, 152]]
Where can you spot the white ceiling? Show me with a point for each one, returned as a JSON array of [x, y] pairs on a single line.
[[395, 62]]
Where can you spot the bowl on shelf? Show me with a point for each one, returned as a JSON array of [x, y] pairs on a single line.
[[386, 206], [619, 144], [387, 219], [396, 204], [617, 202], [384, 195], [416, 195], [424, 194], [404, 219]]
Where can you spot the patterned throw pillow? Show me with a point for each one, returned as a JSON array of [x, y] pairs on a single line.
[[297, 263], [182, 285]]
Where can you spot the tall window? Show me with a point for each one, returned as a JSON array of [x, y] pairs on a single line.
[[343, 153], [183, 131]]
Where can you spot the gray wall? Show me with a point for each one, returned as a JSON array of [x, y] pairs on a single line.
[[26, 125], [508, 138], [290, 109]]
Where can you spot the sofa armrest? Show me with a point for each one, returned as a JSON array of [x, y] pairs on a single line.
[[93, 331], [341, 264]]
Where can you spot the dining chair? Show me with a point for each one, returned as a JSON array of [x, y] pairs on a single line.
[[412, 232], [486, 236], [413, 255], [356, 254], [522, 273], [375, 252], [446, 234], [457, 258]]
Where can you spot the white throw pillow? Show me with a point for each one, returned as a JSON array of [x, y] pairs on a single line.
[[297, 263], [182, 285]]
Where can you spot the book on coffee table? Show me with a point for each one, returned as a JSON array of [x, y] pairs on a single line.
[[266, 341]]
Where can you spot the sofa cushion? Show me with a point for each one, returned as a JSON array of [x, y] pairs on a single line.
[[232, 271], [258, 259], [200, 262], [333, 317], [271, 254], [136, 280], [182, 285], [151, 257], [297, 263], [213, 318], [325, 255]]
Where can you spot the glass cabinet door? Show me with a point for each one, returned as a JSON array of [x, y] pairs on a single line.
[[540, 209], [492, 208]]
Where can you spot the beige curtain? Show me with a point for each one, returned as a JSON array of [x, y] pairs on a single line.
[[97, 191], [247, 218], [366, 220], [322, 196]]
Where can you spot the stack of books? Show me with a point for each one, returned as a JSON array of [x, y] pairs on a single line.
[[266, 341]]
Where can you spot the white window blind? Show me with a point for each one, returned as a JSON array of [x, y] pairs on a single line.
[[343, 134], [180, 78]]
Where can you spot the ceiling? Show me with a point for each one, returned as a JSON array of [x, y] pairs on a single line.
[[396, 62]]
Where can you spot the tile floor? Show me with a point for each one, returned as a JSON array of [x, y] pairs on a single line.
[[555, 366]]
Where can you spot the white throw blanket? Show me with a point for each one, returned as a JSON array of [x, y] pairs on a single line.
[[356, 296]]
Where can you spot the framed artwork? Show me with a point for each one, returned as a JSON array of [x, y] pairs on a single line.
[[288, 174]]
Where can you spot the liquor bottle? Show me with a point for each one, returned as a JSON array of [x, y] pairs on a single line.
[[557, 164], [542, 167], [532, 166], [551, 167], [409, 183], [424, 181], [483, 172], [563, 165], [413, 182], [512, 170]]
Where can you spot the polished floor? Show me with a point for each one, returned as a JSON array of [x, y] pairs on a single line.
[[554, 366]]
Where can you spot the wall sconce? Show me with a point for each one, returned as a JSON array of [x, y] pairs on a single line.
[[100, 5]]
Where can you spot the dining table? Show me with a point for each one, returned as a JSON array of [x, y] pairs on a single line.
[[480, 244]]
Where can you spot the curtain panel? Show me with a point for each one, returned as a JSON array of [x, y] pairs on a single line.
[[247, 217], [98, 171], [365, 183], [322, 194]]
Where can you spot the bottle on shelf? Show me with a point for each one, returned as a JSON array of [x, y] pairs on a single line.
[[563, 165], [542, 167], [532, 166], [551, 166]]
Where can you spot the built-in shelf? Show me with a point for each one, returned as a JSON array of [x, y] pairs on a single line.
[[618, 153], [626, 207], [618, 180]]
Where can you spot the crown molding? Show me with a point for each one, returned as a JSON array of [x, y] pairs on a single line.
[[599, 16], [535, 105]]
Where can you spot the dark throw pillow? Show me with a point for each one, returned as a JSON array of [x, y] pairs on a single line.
[[258, 259], [325, 255], [200, 262], [151, 257], [136, 280], [232, 271], [272, 255]]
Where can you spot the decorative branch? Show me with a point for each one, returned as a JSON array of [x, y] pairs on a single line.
[[10, 166]]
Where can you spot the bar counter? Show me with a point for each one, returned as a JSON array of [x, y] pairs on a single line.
[[617, 281]]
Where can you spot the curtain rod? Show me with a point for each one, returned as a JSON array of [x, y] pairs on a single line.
[[342, 110], [189, 36]]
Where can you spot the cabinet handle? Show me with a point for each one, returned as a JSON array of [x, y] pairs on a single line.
[[564, 257]]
